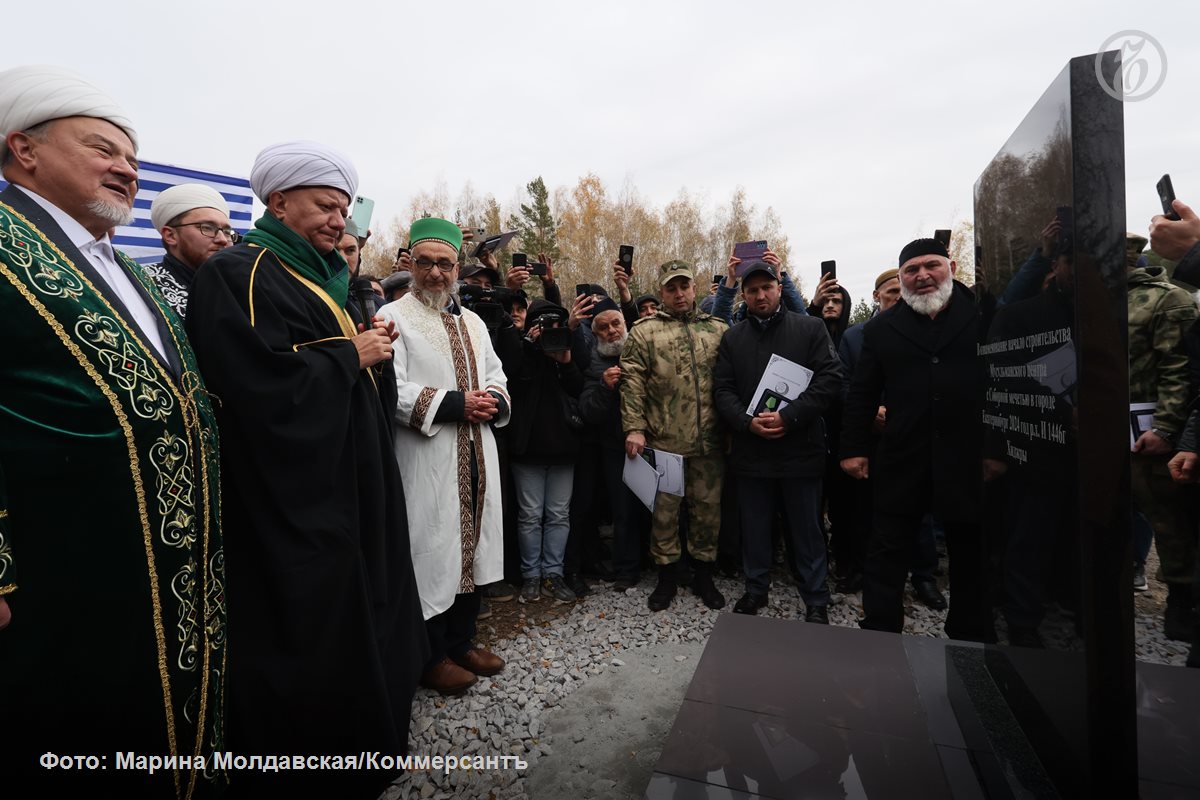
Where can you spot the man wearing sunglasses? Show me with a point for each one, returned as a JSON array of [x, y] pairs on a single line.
[[194, 222]]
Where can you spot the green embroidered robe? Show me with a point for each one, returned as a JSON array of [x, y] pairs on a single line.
[[111, 556]]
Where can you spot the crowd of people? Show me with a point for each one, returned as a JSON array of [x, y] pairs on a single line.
[[250, 499]]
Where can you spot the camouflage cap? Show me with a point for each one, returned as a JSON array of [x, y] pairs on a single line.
[[675, 269], [1135, 241]]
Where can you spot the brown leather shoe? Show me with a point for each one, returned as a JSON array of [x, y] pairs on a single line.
[[447, 678], [481, 662]]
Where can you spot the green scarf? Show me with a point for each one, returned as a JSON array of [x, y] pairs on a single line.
[[330, 271]]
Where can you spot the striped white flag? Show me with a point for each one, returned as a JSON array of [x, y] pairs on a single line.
[[140, 241]]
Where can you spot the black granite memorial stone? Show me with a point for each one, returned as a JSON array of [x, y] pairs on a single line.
[[1050, 227]]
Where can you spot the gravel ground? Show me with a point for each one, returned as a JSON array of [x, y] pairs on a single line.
[[591, 688]]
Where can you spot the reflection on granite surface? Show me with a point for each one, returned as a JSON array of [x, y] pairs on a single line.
[[784, 709]]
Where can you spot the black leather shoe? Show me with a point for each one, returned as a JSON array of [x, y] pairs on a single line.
[[750, 603], [817, 614], [623, 584], [578, 585], [928, 595]]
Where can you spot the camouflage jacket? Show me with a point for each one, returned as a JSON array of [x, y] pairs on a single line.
[[1160, 314], [667, 382]]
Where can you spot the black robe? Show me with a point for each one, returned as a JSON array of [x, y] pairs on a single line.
[[326, 640]]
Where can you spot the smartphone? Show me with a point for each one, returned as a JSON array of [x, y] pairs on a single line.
[[626, 258], [364, 207], [581, 288], [829, 268], [537, 269], [750, 251], [520, 260], [1066, 216], [1166, 194], [943, 236]]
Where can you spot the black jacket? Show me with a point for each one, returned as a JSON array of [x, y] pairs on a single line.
[[741, 360], [929, 457], [601, 406], [538, 431]]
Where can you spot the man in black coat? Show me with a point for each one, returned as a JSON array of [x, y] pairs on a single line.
[[921, 354], [779, 452]]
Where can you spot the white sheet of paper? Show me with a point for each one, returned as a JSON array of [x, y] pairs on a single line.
[[783, 376], [1141, 419], [642, 480], [670, 472]]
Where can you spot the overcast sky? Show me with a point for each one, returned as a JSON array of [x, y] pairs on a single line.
[[863, 124]]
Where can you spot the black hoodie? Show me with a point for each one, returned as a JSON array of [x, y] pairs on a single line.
[[835, 329]]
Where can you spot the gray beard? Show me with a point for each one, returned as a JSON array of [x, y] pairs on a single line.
[[436, 300], [611, 349], [111, 213], [929, 304]]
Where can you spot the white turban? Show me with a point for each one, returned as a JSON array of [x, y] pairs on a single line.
[[285, 166], [180, 199], [32, 95]]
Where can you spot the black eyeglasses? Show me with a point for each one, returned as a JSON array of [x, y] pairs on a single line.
[[210, 230], [427, 265]]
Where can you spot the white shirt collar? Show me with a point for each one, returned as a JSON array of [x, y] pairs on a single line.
[[79, 235]]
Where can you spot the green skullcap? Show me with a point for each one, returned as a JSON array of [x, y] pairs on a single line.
[[441, 230]]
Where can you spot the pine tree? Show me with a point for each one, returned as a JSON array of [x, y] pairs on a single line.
[[862, 311], [535, 226]]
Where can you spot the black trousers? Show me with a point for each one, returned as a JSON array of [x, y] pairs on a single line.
[[583, 553], [452, 632], [888, 558]]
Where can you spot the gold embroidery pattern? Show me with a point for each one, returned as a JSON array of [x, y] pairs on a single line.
[[6, 554], [416, 420], [175, 489], [127, 365], [214, 601], [139, 492], [57, 278], [466, 511], [49, 278], [183, 586], [478, 438]]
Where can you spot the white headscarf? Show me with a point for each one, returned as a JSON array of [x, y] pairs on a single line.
[[182, 198], [290, 164], [31, 95]]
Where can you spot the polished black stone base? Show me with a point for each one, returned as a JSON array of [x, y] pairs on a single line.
[[784, 709]]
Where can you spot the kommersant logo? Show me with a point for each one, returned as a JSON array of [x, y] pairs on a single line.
[[1143, 66]]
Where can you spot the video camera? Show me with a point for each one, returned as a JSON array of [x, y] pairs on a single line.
[[555, 336], [490, 304]]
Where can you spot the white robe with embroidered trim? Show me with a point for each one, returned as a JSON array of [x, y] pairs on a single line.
[[434, 458]]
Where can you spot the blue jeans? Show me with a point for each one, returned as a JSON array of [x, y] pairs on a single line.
[[543, 517]]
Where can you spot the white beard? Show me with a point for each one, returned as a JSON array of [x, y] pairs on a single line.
[[111, 213], [611, 349], [929, 304], [437, 300]]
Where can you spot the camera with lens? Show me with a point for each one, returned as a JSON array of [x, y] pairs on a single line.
[[490, 304], [555, 336]]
